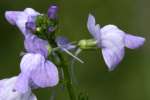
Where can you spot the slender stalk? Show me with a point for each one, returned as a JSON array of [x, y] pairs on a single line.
[[63, 64], [67, 77], [69, 84]]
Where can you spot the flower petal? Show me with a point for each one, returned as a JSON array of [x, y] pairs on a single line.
[[11, 16], [41, 72], [33, 44], [19, 18], [93, 28], [133, 42], [28, 63], [63, 42], [22, 83], [112, 44], [7, 93], [114, 34], [23, 18], [48, 76], [112, 58], [31, 12], [21, 22]]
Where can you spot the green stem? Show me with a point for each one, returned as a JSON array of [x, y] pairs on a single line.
[[67, 77], [63, 64]]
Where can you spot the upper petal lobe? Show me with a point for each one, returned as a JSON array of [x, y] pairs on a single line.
[[133, 42]]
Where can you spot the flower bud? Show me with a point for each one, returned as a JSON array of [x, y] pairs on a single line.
[[87, 44], [52, 11]]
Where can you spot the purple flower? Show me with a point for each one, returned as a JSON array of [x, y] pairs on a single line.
[[64, 43], [25, 21], [112, 41], [7, 93], [20, 18], [51, 29], [35, 69], [52, 11]]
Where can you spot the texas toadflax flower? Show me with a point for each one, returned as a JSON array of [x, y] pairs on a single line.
[[44, 50], [7, 93], [33, 44], [35, 68], [112, 41]]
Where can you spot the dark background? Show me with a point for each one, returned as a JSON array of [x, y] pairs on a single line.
[[131, 79]]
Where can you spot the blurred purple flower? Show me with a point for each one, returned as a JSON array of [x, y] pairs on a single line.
[[7, 93], [51, 29], [112, 40], [35, 69], [64, 43]]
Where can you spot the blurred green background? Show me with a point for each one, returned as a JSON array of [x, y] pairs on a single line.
[[131, 79]]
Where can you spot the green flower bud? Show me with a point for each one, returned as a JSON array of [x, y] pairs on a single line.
[[87, 44], [45, 27]]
